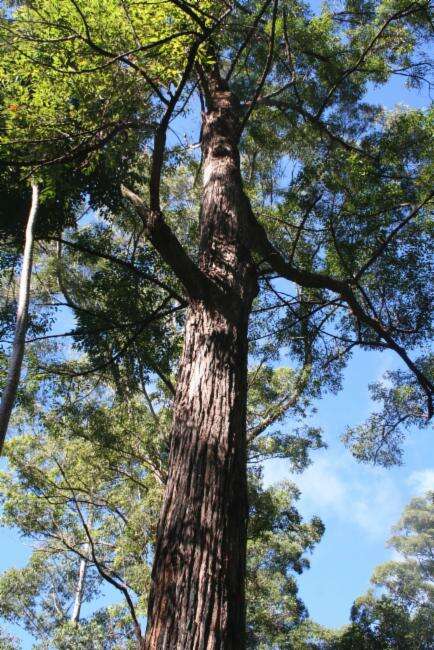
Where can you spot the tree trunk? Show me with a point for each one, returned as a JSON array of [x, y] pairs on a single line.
[[79, 589], [197, 595], [16, 358]]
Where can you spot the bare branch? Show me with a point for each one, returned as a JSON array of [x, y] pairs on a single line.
[[380, 250], [18, 345], [344, 288], [266, 70]]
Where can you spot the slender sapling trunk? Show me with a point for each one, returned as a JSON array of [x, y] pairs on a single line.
[[18, 345]]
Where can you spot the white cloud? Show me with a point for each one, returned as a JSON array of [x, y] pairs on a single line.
[[422, 480], [396, 556], [336, 486], [387, 362], [360, 494]]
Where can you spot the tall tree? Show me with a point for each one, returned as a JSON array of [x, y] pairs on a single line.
[[337, 247]]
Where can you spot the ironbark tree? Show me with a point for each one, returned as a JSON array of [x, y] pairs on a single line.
[[360, 194]]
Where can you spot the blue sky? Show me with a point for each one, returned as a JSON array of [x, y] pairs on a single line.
[[357, 503]]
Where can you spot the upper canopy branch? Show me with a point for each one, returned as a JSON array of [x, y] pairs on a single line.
[[404, 12], [129, 266], [196, 283], [124, 58], [380, 250], [266, 70], [344, 288], [276, 411], [250, 34], [96, 140]]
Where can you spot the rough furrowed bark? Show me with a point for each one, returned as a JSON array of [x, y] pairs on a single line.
[[198, 600], [197, 596]]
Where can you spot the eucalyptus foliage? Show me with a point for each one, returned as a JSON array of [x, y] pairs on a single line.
[[116, 110], [85, 482]]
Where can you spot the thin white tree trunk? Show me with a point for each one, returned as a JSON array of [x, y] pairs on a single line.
[[16, 358], [79, 590], [81, 579]]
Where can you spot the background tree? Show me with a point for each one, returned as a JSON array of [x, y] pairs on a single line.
[[402, 616], [85, 482], [337, 246], [398, 611], [17, 353]]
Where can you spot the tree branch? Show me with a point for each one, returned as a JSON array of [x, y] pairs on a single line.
[[266, 70], [120, 262], [118, 585], [314, 280], [279, 410], [380, 250], [248, 38], [78, 152], [197, 285]]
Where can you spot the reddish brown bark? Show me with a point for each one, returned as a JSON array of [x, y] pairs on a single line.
[[197, 596]]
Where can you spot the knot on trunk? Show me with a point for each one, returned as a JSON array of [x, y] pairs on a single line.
[[221, 148]]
